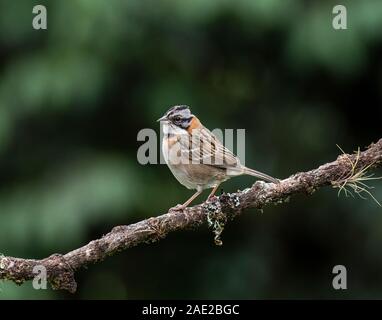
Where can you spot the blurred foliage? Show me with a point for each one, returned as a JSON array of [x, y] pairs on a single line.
[[73, 98]]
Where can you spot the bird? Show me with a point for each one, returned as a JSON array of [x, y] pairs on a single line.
[[196, 157]]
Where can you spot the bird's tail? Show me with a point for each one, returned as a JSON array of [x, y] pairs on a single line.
[[260, 175]]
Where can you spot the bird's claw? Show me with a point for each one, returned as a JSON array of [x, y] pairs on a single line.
[[211, 198], [177, 208]]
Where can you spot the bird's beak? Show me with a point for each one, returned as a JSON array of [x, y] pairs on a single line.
[[162, 119]]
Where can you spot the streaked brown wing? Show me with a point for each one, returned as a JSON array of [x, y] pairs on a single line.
[[204, 147]]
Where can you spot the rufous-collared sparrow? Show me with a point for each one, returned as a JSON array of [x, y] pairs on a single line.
[[196, 158]]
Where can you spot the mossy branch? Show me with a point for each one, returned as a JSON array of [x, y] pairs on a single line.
[[349, 170]]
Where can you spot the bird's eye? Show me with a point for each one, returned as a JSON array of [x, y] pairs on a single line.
[[177, 119]]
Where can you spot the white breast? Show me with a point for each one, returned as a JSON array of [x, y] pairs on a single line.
[[170, 135], [170, 146]]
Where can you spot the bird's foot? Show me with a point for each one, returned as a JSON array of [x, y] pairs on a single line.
[[211, 198], [177, 208]]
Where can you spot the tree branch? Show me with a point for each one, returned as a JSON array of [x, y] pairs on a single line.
[[61, 268]]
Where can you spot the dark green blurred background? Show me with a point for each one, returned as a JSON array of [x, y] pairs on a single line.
[[73, 98]]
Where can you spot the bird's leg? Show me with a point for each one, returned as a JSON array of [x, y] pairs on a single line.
[[213, 192], [180, 207], [196, 194]]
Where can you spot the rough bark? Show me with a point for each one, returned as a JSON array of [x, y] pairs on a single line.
[[61, 268]]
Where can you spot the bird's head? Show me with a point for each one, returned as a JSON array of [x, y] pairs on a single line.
[[179, 117]]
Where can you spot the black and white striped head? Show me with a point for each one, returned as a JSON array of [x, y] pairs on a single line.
[[179, 116]]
